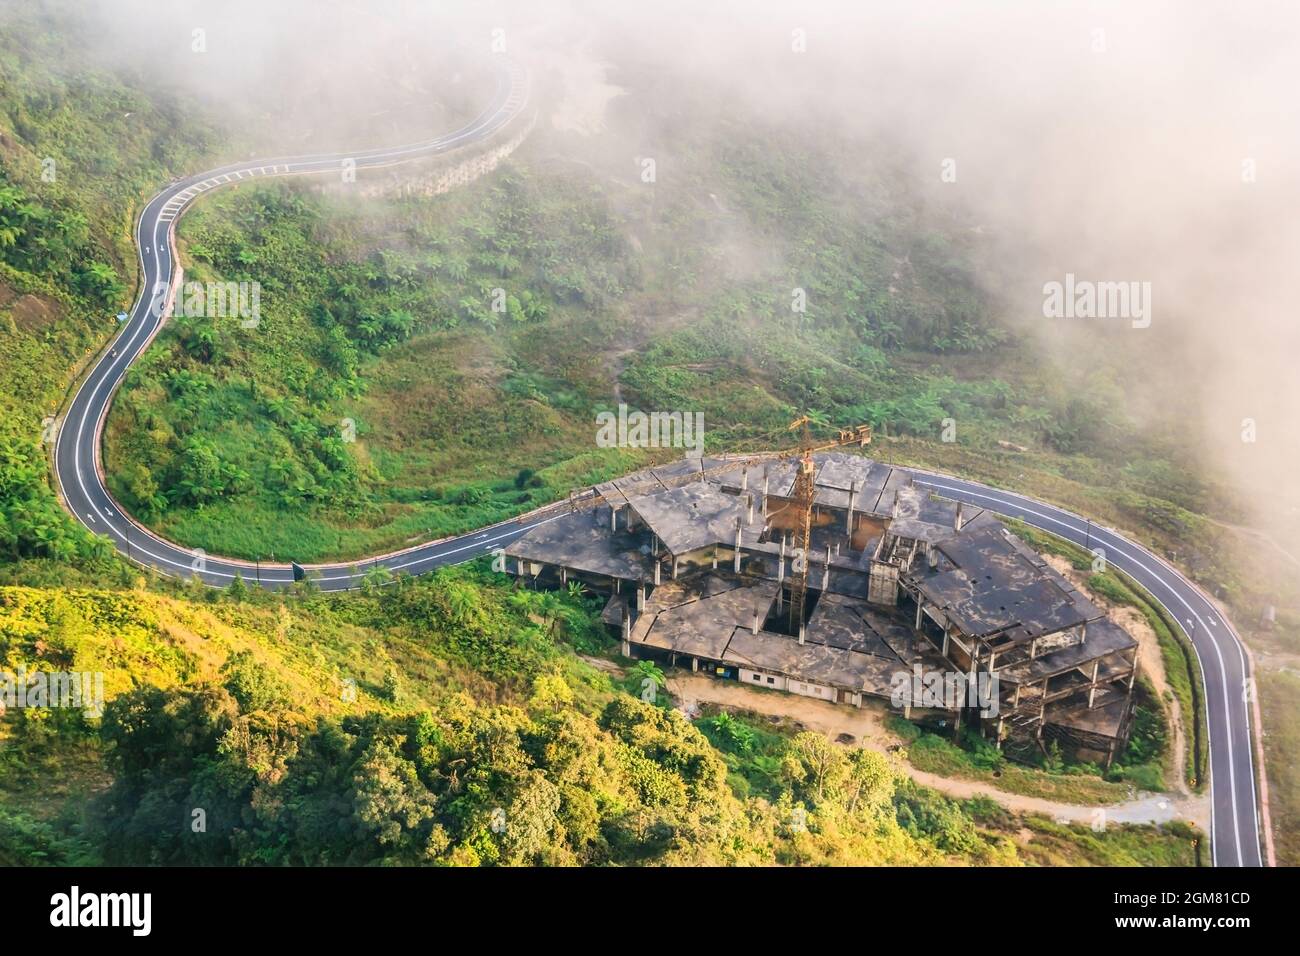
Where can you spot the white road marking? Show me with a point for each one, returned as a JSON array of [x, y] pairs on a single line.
[[372, 157], [1100, 531], [383, 157]]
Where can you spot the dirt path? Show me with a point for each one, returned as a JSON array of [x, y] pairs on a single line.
[[615, 358], [867, 729], [603, 664], [1150, 662], [1258, 534]]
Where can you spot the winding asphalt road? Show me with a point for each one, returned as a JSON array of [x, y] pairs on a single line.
[[79, 472], [77, 454], [1235, 839]]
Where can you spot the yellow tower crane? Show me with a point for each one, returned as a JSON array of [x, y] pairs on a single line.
[[802, 497]]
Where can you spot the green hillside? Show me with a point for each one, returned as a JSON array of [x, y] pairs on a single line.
[[453, 720], [79, 148], [447, 720]]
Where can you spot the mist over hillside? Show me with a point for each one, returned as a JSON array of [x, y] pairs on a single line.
[[1044, 251], [1118, 143]]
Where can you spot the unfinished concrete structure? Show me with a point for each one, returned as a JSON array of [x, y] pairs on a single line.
[[696, 560]]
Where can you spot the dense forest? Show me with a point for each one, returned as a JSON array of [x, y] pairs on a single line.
[[446, 720], [455, 720]]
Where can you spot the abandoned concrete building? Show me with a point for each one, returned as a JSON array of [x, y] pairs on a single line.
[[695, 558]]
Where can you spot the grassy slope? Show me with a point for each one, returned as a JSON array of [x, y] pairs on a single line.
[[385, 336], [235, 705], [754, 751], [896, 355], [1181, 668], [78, 148], [897, 332]]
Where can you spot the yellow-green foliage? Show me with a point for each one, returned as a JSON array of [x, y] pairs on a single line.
[[236, 707], [476, 736], [1280, 704], [137, 638]]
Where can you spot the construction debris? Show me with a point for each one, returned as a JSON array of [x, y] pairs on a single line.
[[831, 575]]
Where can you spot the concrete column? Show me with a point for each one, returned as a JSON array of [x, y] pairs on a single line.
[[674, 569], [715, 557], [627, 634], [658, 566], [853, 495], [780, 569], [1092, 691], [756, 617], [802, 629], [564, 575], [613, 518], [920, 606], [695, 663], [736, 560], [640, 597], [744, 478], [764, 494], [944, 651]]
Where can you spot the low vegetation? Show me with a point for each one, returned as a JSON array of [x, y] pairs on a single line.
[[382, 400], [1177, 656], [446, 720]]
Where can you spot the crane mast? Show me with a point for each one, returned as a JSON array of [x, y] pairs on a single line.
[[803, 497]]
